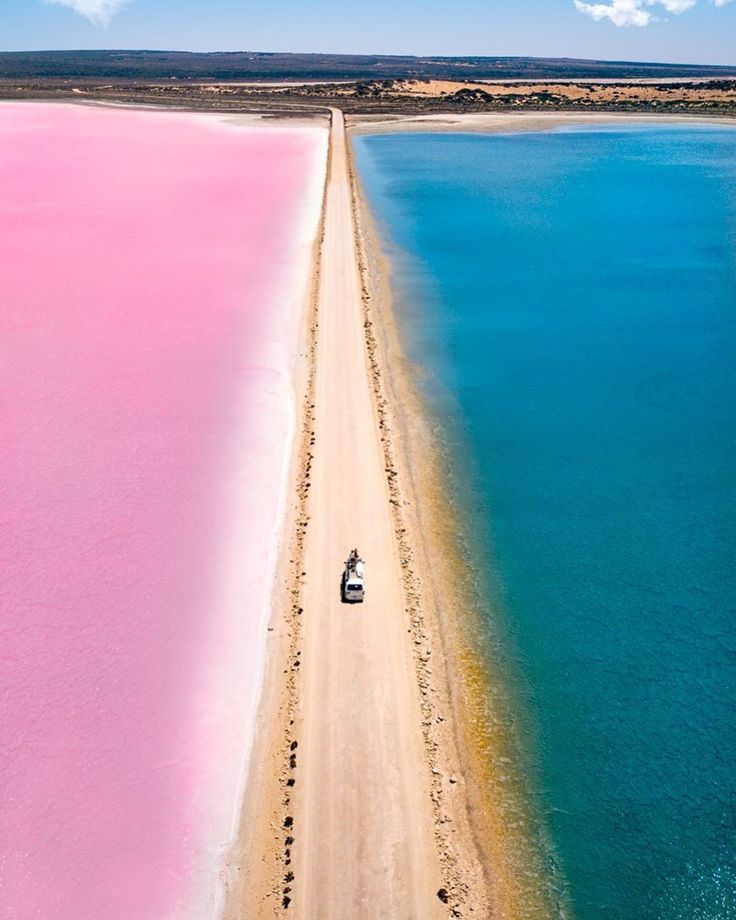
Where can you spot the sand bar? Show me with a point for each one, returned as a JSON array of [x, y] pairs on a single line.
[[364, 836], [345, 814]]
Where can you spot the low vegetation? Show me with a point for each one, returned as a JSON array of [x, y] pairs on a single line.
[[394, 96]]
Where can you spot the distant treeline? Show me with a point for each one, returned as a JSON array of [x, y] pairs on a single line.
[[243, 65]]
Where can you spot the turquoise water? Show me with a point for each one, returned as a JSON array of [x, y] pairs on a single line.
[[570, 300]]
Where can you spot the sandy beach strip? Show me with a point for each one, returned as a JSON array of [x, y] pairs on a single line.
[[353, 809], [511, 123]]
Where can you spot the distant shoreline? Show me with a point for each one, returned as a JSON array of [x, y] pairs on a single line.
[[517, 122], [429, 92], [162, 64]]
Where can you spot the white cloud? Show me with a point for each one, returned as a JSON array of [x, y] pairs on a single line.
[[635, 12], [620, 12], [99, 12]]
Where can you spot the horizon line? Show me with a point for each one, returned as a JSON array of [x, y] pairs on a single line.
[[373, 55]]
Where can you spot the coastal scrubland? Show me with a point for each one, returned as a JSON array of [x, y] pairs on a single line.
[[284, 83], [713, 96]]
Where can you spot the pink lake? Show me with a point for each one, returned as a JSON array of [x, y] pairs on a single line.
[[153, 267]]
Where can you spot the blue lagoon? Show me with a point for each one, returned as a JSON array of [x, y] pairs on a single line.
[[569, 302]]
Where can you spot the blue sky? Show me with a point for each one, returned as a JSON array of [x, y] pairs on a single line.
[[697, 31]]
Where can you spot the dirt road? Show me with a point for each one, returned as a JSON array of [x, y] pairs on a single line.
[[363, 830]]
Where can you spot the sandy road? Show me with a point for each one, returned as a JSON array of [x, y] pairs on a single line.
[[363, 830]]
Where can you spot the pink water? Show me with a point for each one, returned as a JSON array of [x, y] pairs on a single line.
[[151, 273]]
